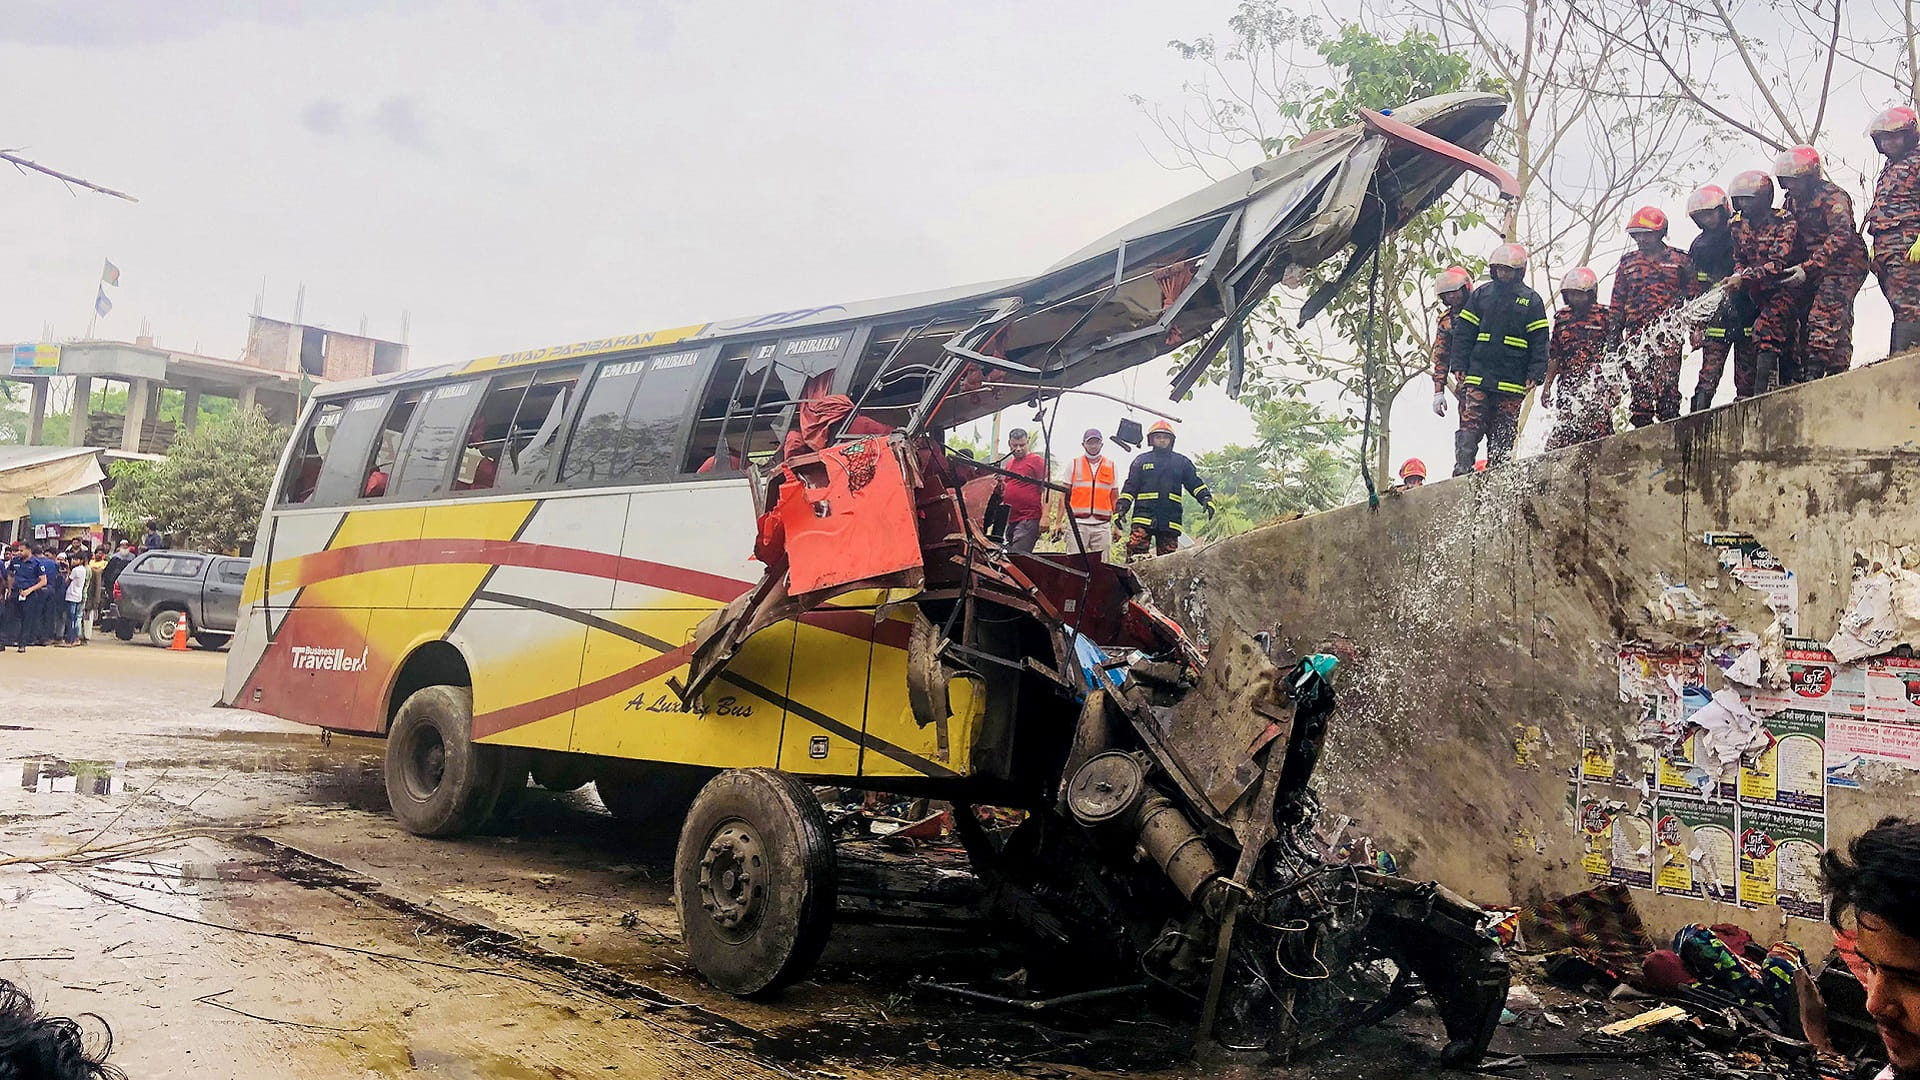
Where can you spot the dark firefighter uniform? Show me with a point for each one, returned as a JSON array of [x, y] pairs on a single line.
[[1499, 346], [1730, 329], [1150, 502], [1583, 393], [1893, 221], [1646, 287], [1763, 250], [1835, 259]]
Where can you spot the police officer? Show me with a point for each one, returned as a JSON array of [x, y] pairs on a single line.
[[1500, 352]]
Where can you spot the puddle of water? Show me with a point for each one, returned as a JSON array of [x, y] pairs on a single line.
[[52, 776]]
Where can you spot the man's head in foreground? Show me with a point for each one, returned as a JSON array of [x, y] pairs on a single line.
[[53, 1047], [1876, 886]]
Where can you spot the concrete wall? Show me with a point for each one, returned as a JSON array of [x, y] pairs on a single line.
[[1484, 617]]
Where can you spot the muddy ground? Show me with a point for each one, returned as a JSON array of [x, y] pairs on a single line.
[[227, 891]]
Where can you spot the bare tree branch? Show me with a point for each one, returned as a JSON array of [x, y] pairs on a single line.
[[20, 162]]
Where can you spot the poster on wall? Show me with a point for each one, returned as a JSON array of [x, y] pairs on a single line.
[[1617, 843], [1779, 855], [1695, 849], [1792, 773], [1816, 683], [1854, 743], [1749, 562], [1893, 689]]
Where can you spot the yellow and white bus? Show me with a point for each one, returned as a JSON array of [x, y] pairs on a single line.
[[505, 565]]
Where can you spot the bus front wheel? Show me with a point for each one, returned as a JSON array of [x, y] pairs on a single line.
[[439, 781], [754, 881]]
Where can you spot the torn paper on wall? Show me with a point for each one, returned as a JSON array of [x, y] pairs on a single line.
[[1883, 607], [1749, 562], [1677, 605]]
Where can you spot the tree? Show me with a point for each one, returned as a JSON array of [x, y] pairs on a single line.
[[1300, 461], [209, 491]]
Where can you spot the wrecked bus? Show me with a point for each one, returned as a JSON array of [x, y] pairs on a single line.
[[704, 568]]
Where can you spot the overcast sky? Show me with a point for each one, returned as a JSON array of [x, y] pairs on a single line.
[[519, 174]]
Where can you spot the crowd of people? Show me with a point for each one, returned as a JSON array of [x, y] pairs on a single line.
[[50, 595], [1785, 278], [1096, 511]]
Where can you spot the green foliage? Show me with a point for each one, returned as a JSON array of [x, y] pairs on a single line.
[[130, 491], [1300, 461], [209, 491]]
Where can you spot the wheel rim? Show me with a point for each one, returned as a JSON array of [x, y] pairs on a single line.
[[733, 878], [168, 624], [426, 762]]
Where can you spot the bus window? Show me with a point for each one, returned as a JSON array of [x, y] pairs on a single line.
[[386, 448], [303, 469], [534, 433], [343, 472], [897, 364], [747, 409], [429, 448]]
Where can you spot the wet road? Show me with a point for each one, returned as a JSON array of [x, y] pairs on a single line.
[[228, 892]]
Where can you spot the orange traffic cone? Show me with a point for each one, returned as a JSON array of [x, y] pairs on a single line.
[[179, 637]]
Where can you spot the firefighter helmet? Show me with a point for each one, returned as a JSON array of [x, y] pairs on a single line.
[[1710, 197], [1513, 256], [1160, 427], [1896, 119], [1413, 466], [1452, 279], [1797, 161], [1648, 219], [1580, 279], [1751, 184]]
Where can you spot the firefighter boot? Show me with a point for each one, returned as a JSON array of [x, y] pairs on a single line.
[[1702, 399], [1766, 372]]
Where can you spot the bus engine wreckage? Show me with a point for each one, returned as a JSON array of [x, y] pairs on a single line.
[[1170, 833]]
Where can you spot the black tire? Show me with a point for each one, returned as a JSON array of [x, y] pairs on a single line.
[[560, 772], [160, 626], [439, 781], [211, 641], [754, 881], [651, 796], [124, 629]]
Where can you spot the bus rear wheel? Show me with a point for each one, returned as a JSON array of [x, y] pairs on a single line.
[[439, 781], [754, 881]]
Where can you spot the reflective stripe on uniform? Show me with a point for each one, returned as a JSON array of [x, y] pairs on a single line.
[[1513, 388], [1716, 331], [1538, 324], [1516, 342], [1471, 380], [1469, 316], [1484, 337]]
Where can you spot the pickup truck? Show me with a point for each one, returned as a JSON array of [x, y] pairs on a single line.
[[159, 588]]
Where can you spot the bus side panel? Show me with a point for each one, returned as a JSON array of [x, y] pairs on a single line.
[[315, 673], [890, 722], [627, 709], [827, 706], [368, 564], [526, 674], [449, 586], [273, 586]]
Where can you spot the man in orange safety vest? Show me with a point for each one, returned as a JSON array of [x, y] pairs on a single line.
[[1090, 500]]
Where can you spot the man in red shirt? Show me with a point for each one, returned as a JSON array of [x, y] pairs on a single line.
[[1024, 498]]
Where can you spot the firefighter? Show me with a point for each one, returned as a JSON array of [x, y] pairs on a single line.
[[1577, 384], [1893, 221], [1091, 494], [1832, 257], [1764, 241], [1150, 502], [1730, 329], [1413, 473], [1500, 351], [1651, 282], [1451, 286]]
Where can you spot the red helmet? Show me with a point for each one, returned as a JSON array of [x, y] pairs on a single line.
[[1751, 184], [1160, 427], [1648, 219], [1413, 466], [1580, 279], [1452, 279], [1509, 255], [1897, 118], [1710, 197], [1796, 162]]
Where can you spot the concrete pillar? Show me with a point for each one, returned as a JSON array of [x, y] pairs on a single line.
[[247, 396], [37, 412], [190, 407], [139, 399], [82, 393]]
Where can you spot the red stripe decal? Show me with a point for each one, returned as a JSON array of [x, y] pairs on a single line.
[[512, 716]]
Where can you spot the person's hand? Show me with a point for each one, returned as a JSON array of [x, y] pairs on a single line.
[[1734, 280], [1057, 533], [1797, 275], [1439, 403], [1211, 512], [1546, 393]]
